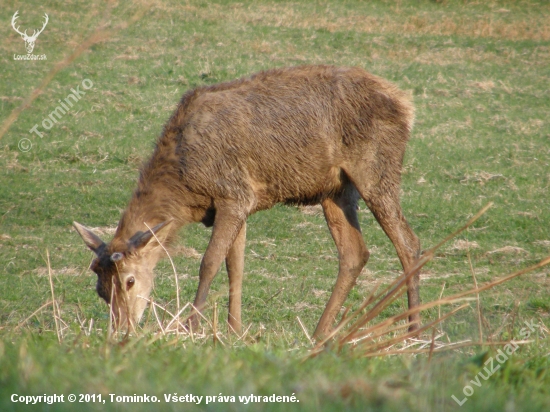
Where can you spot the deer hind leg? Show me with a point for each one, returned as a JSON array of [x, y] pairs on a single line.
[[383, 201], [234, 263], [228, 224], [341, 217]]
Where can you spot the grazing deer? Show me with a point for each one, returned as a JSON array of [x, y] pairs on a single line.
[[301, 135]]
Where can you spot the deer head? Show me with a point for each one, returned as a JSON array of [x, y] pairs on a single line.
[[29, 40], [124, 272]]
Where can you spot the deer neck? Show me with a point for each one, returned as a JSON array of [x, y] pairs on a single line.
[[151, 204], [160, 195]]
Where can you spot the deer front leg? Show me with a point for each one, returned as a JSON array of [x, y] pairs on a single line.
[[234, 263], [227, 226]]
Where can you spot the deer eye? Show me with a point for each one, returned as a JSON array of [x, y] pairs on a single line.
[[130, 282]]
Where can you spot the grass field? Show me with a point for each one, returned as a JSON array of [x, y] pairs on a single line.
[[480, 75]]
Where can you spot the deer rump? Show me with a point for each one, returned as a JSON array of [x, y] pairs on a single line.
[[301, 135]]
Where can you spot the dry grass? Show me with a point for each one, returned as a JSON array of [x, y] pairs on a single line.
[[508, 250], [500, 24], [386, 336], [66, 271]]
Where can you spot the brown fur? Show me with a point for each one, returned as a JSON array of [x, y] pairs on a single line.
[[301, 135]]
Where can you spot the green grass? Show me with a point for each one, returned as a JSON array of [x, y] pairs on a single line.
[[479, 73]]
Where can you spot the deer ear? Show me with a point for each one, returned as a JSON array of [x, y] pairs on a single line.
[[90, 238], [141, 239]]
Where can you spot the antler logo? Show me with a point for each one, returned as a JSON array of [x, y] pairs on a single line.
[[29, 40]]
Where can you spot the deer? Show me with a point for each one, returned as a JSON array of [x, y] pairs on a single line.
[[304, 135], [29, 40]]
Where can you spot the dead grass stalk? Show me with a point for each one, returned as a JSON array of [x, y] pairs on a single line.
[[374, 340]]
